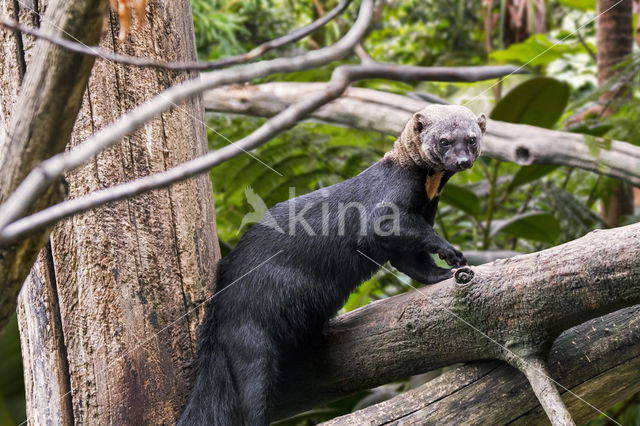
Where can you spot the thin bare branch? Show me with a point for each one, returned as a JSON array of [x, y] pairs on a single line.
[[340, 80], [363, 55], [536, 371], [409, 73], [585, 44], [180, 66], [52, 169]]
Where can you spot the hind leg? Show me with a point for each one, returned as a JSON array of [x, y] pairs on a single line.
[[254, 359], [421, 267]]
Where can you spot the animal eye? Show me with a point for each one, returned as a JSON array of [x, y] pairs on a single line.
[[444, 142], [471, 140]]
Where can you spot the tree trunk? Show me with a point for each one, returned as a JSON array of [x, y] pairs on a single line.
[[615, 43], [37, 122], [124, 282], [615, 35]]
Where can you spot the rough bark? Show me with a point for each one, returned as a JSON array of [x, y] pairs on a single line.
[[41, 119], [479, 257], [387, 113], [599, 361], [130, 276], [512, 308], [615, 43], [16, 50], [44, 355]]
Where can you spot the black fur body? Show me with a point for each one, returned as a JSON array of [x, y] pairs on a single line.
[[286, 278]]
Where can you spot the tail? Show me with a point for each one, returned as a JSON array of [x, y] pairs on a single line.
[[213, 399]]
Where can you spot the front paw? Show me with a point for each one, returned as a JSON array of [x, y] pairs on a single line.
[[452, 256]]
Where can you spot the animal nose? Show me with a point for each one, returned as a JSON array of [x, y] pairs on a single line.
[[464, 163]]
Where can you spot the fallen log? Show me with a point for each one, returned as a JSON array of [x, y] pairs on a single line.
[[386, 112], [511, 310]]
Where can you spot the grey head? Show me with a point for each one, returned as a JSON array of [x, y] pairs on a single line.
[[449, 136]]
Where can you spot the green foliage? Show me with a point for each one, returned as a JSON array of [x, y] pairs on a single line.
[[625, 413], [583, 5], [619, 95], [461, 198], [12, 402], [538, 102], [530, 173], [409, 34], [216, 28], [538, 50], [224, 28], [625, 124], [533, 226]]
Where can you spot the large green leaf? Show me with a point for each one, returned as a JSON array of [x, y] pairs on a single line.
[[530, 173], [538, 102], [580, 4], [537, 50], [461, 198], [531, 226]]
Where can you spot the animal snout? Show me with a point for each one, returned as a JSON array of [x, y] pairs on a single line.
[[463, 163]]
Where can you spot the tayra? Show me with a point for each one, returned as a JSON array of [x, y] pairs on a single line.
[[294, 269]]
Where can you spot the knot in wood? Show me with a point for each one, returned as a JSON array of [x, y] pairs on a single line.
[[463, 275]]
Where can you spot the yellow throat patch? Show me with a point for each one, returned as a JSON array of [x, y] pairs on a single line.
[[432, 184]]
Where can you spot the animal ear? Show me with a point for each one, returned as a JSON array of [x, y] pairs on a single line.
[[418, 122], [482, 122]]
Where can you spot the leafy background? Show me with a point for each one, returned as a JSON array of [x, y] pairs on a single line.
[[494, 206]]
